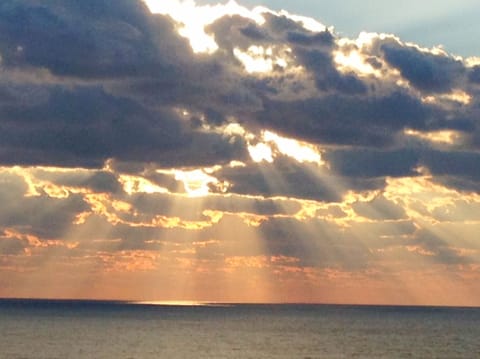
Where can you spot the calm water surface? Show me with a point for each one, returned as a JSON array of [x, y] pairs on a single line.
[[59, 329]]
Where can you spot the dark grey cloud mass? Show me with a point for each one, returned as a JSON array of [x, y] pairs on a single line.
[[87, 39], [84, 82], [425, 71]]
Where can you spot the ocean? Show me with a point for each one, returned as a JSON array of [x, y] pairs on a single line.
[[117, 330]]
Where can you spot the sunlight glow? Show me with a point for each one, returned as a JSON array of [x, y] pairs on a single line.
[[260, 152], [472, 61], [136, 184], [353, 61], [409, 191], [259, 59], [449, 137], [196, 182], [273, 144], [308, 23], [456, 96], [300, 151], [195, 18]]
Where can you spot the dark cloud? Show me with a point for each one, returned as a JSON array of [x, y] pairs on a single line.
[[324, 38], [457, 163], [474, 74], [327, 77], [237, 31], [367, 122], [87, 39], [373, 163], [425, 71], [458, 169], [100, 80], [85, 126]]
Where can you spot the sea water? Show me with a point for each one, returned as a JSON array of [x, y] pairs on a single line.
[[114, 330]]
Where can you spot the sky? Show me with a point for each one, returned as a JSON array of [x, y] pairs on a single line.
[[181, 151]]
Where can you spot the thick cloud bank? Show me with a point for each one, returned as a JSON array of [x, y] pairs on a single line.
[[83, 83], [117, 137]]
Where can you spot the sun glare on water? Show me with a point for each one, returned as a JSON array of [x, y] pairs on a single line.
[[173, 303]]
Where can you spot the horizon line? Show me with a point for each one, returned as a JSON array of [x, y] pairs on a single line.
[[200, 303]]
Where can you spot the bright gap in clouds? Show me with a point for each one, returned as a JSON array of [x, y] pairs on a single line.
[[194, 18], [136, 184], [196, 182], [271, 145]]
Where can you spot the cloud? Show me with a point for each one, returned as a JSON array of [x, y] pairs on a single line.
[[315, 243], [368, 163], [121, 77], [457, 169], [380, 208], [425, 71], [474, 74], [285, 177], [95, 181], [439, 249], [40, 215], [10, 245], [85, 126], [88, 40]]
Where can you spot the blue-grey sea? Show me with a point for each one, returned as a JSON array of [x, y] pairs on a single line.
[[115, 330]]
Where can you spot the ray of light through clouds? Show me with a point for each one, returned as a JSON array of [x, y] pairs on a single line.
[[166, 151]]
